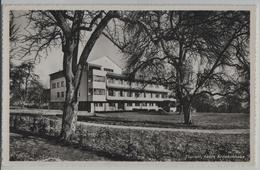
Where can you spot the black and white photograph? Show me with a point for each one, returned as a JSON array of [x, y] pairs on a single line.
[[149, 85]]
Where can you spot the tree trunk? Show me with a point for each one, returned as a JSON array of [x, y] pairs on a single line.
[[69, 118], [73, 71], [70, 110], [187, 111]]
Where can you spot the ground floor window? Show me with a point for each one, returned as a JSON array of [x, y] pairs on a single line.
[[112, 104], [129, 104], [111, 92], [98, 104]]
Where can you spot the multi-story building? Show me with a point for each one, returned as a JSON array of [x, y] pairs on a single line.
[[104, 87]]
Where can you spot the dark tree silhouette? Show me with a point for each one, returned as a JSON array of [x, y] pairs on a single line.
[[206, 51]]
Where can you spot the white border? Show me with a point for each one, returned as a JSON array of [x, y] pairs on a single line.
[[125, 165]]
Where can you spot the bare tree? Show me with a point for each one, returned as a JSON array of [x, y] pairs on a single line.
[[207, 51], [48, 29]]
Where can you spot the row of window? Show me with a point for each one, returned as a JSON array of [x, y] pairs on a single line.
[[108, 70], [60, 94], [57, 84], [112, 104], [125, 82], [97, 78], [123, 93], [97, 91]]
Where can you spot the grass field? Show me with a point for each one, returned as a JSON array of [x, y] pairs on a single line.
[[155, 119]]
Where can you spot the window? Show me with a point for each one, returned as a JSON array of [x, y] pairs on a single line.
[[121, 93], [108, 70], [137, 104], [157, 95], [111, 80], [144, 104], [129, 104], [97, 78], [112, 104], [58, 94], [62, 84], [151, 95], [99, 91], [89, 79], [144, 95], [90, 92], [58, 84], [98, 104], [164, 95], [62, 94], [111, 92], [53, 85], [121, 81], [137, 94], [129, 94]]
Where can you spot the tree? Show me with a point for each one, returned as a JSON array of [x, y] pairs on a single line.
[[22, 78], [48, 29], [205, 50], [204, 103]]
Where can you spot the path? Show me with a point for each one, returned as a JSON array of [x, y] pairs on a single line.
[[218, 131]]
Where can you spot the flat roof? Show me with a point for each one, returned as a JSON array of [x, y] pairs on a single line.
[[60, 73], [56, 75]]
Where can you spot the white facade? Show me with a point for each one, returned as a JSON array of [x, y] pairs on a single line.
[[104, 88]]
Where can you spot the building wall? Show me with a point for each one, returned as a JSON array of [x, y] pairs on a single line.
[[57, 90]]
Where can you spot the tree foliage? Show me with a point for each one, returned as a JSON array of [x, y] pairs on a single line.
[[25, 87]]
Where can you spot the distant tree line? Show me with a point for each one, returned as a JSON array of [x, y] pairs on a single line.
[[25, 88], [227, 104]]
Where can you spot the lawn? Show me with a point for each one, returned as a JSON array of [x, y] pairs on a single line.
[[156, 119]]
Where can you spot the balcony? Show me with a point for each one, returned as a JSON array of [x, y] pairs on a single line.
[[138, 98], [134, 86]]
